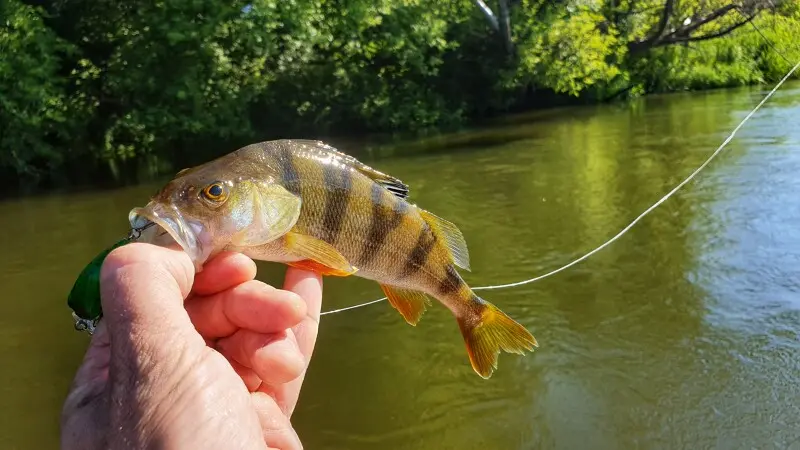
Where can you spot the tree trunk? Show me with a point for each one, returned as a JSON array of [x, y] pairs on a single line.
[[488, 14], [504, 23], [500, 22]]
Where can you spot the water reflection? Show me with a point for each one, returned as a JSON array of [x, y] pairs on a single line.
[[684, 333]]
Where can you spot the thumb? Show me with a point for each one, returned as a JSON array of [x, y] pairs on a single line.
[[142, 289]]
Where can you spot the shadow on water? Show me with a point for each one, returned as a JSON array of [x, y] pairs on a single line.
[[685, 333]]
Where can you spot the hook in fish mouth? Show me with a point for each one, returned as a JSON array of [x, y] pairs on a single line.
[[136, 232], [171, 221]]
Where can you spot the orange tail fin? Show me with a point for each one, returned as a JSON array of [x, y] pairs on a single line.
[[490, 330]]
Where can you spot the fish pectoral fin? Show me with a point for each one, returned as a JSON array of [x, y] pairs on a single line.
[[319, 256], [272, 212], [410, 304], [451, 235]]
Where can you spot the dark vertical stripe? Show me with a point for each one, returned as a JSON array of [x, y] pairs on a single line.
[[339, 183], [383, 221], [451, 282], [291, 178], [419, 256]]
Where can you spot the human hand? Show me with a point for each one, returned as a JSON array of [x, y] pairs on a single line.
[[221, 370]]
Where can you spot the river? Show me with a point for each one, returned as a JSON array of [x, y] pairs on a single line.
[[685, 333]]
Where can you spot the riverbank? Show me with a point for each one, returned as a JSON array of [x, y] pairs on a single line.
[[100, 95]]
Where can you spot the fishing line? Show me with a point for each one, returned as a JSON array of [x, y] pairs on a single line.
[[765, 38], [634, 222]]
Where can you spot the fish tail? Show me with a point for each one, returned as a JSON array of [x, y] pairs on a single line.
[[487, 330]]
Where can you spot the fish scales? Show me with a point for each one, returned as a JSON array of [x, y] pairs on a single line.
[[331, 210], [379, 232], [400, 247], [306, 204]]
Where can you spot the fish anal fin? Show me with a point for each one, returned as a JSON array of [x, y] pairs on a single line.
[[314, 266], [410, 304], [488, 331], [318, 255], [392, 184], [451, 235]]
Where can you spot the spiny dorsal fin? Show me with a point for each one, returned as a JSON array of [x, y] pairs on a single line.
[[410, 304], [451, 235], [392, 184]]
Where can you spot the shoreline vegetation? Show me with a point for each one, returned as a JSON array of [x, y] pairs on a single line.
[[99, 92]]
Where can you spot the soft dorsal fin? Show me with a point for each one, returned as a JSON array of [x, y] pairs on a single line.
[[451, 235], [392, 184]]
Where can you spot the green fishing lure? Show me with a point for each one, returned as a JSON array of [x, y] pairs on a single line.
[[84, 298]]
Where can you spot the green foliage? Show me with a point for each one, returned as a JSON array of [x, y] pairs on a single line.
[[744, 57], [373, 63], [35, 114], [568, 53], [90, 84], [163, 71]]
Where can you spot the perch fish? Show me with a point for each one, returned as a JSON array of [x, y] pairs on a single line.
[[305, 204]]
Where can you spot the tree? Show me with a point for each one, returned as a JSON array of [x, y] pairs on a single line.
[[37, 116], [698, 22], [97, 83], [500, 22]]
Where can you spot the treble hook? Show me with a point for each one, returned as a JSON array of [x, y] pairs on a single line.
[[90, 324], [136, 233]]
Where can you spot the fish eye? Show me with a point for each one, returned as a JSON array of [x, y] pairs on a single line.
[[214, 191]]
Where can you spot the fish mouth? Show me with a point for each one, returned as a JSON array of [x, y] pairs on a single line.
[[170, 219]]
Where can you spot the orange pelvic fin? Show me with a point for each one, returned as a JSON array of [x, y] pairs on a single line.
[[318, 255], [411, 304], [314, 266], [489, 331]]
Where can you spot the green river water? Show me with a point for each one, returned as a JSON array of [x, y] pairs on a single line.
[[685, 333]]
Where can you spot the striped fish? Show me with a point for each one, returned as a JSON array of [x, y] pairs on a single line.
[[305, 204]]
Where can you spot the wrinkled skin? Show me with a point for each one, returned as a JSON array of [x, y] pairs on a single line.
[[184, 360]]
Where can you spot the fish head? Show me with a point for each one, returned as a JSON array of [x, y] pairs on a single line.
[[208, 209]]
